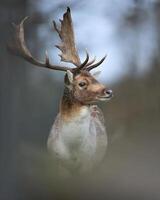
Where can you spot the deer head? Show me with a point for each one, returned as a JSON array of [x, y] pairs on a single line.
[[78, 80]]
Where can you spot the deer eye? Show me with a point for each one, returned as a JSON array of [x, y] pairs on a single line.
[[82, 84]]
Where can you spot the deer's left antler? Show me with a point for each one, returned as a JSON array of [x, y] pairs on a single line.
[[68, 48]]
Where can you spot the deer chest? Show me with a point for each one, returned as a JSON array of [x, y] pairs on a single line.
[[80, 141]]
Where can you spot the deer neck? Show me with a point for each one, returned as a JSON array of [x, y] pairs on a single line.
[[70, 107]]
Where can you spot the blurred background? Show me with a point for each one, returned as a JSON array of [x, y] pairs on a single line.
[[129, 32]]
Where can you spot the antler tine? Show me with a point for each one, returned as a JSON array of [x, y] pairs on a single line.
[[96, 64], [19, 48], [85, 61], [91, 62]]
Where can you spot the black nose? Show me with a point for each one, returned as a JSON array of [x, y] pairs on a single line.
[[109, 93]]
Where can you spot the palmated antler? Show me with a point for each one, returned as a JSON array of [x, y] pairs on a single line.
[[67, 47], [19, 48], [66, 34]]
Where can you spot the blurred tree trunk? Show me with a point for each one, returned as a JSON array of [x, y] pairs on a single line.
[[10, 83], [156, 8]]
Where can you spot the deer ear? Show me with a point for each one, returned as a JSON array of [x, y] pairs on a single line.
[[70, 76]]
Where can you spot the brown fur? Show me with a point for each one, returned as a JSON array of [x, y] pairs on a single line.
[[75, 98], [69, 107]]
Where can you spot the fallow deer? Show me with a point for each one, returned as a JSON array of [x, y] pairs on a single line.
[[78, 137]]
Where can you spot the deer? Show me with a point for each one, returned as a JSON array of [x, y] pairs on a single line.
[[78, 138]]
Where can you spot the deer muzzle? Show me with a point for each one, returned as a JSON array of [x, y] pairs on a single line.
[[106, 95]]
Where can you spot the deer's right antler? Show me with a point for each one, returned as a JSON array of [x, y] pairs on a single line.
[[19, 48], [67, 47]]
